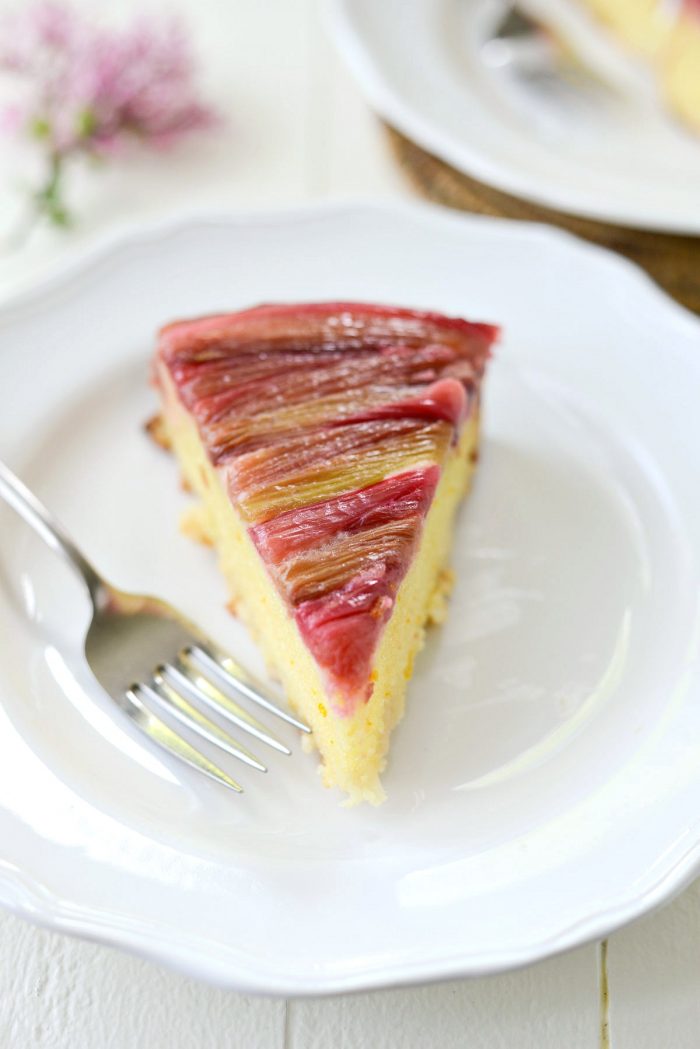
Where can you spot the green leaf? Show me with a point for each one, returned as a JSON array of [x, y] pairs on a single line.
[[86, 123], [60, 216], [40, 128]]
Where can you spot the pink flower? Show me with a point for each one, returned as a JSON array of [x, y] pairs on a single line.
[[84, 88]]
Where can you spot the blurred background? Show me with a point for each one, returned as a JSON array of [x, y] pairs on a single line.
[[293, 126], [584, 113]]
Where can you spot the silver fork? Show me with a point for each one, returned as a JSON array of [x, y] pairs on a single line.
[[521, 42], [148, 657]]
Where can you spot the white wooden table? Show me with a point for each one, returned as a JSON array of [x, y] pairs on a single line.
[[298, 129]]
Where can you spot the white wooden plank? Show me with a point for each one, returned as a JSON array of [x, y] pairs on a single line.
[[56, 992], [654, 978], [60, 993], [348, 151], [553, 1004], [546, 1006]]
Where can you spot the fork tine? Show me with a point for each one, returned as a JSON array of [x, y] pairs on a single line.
[[227, 669], [198, 684], [132, 704], [177, 705]]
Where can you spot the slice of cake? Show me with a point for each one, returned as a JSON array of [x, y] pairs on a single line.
[[330, 444], [667, 34]]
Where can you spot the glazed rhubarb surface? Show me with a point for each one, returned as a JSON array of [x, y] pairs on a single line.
[[328, 424]]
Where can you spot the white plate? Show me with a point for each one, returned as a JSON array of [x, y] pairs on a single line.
[[625, 161], [545, 783]]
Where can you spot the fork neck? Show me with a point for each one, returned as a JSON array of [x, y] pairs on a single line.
[[26, 504]]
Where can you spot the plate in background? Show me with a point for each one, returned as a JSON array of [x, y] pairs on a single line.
[[544, 786], [625, 161]]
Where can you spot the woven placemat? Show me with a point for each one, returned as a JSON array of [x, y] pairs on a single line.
[[673, 261]]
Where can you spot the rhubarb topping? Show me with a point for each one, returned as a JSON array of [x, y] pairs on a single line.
[[328, 423]]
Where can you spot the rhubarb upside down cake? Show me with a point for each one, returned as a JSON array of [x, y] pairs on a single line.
[[330, 444]]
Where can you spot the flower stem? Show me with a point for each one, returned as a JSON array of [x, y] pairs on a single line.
[[49, 199], [46, 203]]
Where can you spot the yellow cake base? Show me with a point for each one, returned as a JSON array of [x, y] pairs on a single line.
[[353, 749], [668, 38]]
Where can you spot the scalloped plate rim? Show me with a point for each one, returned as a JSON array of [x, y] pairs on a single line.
[[37, 903]]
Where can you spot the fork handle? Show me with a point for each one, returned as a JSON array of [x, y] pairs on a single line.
[[14, 492]]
